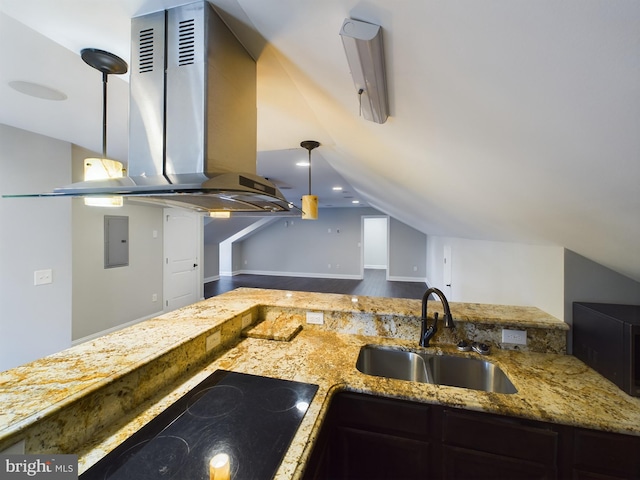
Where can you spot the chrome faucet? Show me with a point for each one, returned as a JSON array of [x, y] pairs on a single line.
[[427, 332]]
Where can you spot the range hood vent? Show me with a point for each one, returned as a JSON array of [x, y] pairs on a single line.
[[192, 119]]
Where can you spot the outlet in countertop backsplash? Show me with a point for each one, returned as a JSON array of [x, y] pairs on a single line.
[[540, 338]]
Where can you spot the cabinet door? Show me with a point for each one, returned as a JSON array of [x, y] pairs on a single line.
[[371, 455], [478, 445], [603, 455]]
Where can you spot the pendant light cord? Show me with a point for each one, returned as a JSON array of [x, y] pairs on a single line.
[[309, 171], [104, 114]]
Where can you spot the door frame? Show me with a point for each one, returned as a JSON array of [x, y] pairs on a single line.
[[363, 240]]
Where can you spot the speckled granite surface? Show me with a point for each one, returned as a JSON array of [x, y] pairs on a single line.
[[106, 389]]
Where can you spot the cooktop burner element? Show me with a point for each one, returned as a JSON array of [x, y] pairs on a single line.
[[250, 418]]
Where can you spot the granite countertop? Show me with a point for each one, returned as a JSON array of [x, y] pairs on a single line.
[[551, 387], [554, 388]]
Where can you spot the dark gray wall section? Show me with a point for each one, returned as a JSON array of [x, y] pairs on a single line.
[[588, 281]]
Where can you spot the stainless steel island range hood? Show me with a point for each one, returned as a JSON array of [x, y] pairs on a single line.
[[192, 119]]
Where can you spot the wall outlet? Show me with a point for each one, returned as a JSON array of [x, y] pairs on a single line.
[[316, 318], [517, 337], [213, 341], [42, 277], [154, 297], [246, 320]]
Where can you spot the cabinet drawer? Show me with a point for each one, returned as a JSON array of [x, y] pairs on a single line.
[[463, 464], [606, 452], [500, 435], [383, 414]]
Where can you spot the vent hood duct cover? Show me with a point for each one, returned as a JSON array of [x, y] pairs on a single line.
[[192, 119]]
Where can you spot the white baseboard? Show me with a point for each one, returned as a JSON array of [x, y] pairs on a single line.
[[93, 336], [376, 267], [407, 279], [299, 274], [308, 275]]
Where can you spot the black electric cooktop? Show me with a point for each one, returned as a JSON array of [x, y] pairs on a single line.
[[250, 418]]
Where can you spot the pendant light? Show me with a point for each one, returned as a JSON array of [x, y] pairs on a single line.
[[103, 168], [309, 202]]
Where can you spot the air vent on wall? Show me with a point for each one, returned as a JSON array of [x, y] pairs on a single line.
[[146, 50], [186, 42]]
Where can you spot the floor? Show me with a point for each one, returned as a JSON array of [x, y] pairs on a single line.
[[374, 284]]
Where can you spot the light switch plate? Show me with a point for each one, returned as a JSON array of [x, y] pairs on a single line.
[[42, 277]]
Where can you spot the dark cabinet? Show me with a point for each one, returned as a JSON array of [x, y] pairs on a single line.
[[372, 437], [484, 446], [603, 455], [367, 437]]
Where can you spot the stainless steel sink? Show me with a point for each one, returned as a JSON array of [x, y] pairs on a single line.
[[456, 371]]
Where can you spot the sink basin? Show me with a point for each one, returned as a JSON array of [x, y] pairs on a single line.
[[452, 370]]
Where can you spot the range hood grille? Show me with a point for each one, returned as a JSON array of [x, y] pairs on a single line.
[[145, 50], [186, 42]]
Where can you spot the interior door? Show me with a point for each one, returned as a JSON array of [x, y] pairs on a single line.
[[183, 240]]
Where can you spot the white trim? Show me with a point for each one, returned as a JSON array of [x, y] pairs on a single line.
[[407, 279], [375, 267], [298, 274], [212, 279], [93, 336]]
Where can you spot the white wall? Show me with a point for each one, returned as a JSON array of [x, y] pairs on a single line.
[[35, 234], [107, 299], [500, 273], [375, 242]]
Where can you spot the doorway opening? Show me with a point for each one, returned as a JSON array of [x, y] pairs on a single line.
[[375, 244]]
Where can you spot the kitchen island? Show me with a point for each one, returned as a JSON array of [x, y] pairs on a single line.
[[90, 398]]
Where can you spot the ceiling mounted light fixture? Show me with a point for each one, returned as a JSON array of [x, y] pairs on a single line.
[[38, 91], [362, 43], [103, 168], [309, 202]]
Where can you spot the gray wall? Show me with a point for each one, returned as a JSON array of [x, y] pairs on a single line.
[[35, 234], [328, 247], [217, 230], [407, 252], [107, 299], [588, 281]]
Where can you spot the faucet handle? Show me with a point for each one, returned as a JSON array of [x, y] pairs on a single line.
[[481, 348]]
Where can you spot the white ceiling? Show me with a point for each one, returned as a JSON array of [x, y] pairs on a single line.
[[511, 120]]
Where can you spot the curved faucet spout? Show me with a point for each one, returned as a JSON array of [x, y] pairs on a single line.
[[427, 332]]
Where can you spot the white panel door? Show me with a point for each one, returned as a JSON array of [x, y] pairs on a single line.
[[181, 256]]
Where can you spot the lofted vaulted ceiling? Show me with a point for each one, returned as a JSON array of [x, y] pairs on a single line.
[[511, 120]]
